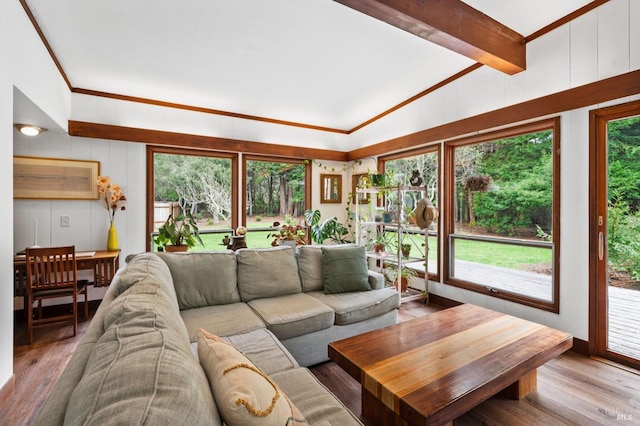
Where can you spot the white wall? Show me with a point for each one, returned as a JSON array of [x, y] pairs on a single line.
[[347, 170], [89, 221], [26, 65], [130, 114], [598, 45]]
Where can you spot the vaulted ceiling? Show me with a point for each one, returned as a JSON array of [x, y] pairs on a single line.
[[311, 62]]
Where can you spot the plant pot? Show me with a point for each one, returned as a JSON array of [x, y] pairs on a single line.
[[387, 217], [406, 249], [404, 283], [176, 249], [377, 180], [378, 248], [290, 243]]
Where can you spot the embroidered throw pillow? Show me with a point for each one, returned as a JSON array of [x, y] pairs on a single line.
[[244, 395]]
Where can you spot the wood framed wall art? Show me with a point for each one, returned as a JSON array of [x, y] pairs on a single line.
[[330, 188], [55, 178]]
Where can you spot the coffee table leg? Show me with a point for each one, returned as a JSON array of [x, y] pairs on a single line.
[[376, 413], [523, 387]]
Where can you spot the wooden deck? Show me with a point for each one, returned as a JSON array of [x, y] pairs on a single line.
[[624, 321], [624, 325]]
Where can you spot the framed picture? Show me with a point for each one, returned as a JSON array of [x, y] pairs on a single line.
[[55, 179], [364, 198], [330, 188]]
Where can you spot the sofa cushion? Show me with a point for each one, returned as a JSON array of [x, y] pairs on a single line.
[[292, 315], [146, 295], [243, 393], [141, 370], [267, 272], [344, 269], [310, 267], [203, 278], [355, 307], [145, 266], [221, 320], [313, 399], [264, 349]]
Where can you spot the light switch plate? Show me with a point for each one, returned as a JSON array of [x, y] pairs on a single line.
[[64, 221]]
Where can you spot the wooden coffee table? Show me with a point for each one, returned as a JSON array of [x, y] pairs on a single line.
[[432, 369]]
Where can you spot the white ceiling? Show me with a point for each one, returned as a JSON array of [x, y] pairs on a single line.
[[308, 61]]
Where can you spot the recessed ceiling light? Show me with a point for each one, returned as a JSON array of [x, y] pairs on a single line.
[[30, 130]]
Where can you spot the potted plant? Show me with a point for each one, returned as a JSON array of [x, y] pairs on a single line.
[[178, 234], [377, 179], [406, 274], [410, 215], [406, 249], [329, 229], [291, 235], [381, 241]]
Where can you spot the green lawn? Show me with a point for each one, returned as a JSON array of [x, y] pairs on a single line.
[[508, 256], [505, 255]]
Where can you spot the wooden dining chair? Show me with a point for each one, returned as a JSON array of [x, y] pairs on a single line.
[[52, 273]]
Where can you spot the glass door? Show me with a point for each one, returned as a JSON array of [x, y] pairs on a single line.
[[617, 224]]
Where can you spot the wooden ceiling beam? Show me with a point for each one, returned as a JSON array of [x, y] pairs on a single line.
[[454, 25]]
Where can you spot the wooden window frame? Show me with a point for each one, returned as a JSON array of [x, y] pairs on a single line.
[[307, 181], [155, 149], [447, 217]]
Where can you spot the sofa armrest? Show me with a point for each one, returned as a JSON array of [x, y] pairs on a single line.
[[376, 280]]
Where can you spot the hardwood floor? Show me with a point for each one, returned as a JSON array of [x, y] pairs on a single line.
[[572, 389], [37, 367]]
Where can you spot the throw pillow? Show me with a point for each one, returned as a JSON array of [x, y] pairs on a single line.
[[344, 269], [244, 395]]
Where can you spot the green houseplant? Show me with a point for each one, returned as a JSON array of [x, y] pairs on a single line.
[[381, 241], [329, 229], [391, 271], [178, 234]]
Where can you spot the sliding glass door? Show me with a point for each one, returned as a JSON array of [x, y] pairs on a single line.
[[616, 232]]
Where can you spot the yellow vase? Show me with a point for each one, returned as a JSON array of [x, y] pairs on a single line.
[[112, 239]]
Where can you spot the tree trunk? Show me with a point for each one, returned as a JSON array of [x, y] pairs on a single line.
[[283, 195], [472, 215]]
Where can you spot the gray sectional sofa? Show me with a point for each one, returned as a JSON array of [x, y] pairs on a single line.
[[146, 357]]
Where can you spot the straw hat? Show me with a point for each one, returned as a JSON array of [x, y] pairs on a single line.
[[426, 213]]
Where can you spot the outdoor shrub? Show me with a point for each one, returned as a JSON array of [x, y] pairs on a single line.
[[624, 237]]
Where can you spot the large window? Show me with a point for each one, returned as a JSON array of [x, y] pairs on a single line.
[[199, 182], [402, 167], [276, 192], [502, 214]]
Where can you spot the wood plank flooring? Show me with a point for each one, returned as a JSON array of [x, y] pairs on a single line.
[[37, 367], [572, 389]]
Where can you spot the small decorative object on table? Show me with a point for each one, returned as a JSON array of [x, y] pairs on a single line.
[[112, 198], [239, 240]]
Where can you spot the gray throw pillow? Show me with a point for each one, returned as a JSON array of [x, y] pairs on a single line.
[[344, 269]]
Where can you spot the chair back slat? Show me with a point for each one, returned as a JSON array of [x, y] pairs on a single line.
[[51, 268]]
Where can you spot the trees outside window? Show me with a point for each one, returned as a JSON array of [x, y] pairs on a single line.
[[503, 211], [199, 182], [276, 190]]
